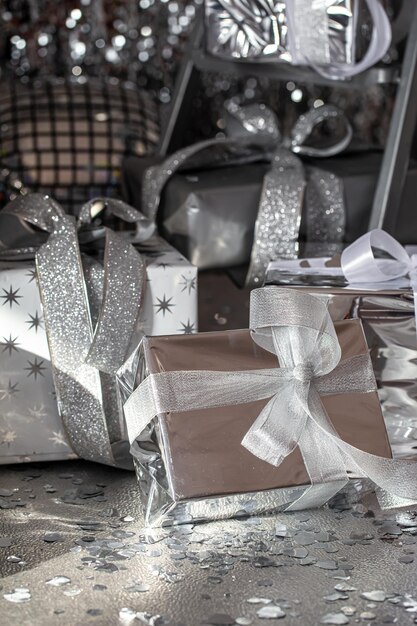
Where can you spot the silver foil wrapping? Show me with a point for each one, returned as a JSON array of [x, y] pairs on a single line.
[[255, 29], [388, 320]]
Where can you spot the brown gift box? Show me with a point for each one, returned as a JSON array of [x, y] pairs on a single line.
[[192, 465]]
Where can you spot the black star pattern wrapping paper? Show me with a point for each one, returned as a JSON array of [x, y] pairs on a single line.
[[30, 426]]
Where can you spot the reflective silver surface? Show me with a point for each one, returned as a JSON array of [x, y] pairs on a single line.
[[72, 541], [251, 29], [390, 328]]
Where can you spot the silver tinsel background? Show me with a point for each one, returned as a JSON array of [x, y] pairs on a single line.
[[143, 42]]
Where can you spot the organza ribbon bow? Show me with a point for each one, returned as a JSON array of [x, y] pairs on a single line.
[[297, 328], [91, 314], [284, 186]]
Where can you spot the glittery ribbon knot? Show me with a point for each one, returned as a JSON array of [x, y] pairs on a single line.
[[286, 189], [284, 186], [91, 314], [297, 328], [304, 372]]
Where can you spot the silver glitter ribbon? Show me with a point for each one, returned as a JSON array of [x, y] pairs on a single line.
[[302, 32], [279, 213], [297, 328], [85, 358]]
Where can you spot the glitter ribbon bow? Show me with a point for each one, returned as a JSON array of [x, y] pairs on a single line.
[[91, 315], [284, 186], [297, 328]]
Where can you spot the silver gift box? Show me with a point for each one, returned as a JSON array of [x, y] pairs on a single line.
[[388, 318], [257, 29], [191, 465]]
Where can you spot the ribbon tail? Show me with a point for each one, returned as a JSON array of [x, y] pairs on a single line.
[[277, 430], [325, 208], [394, 476], [279, 211], [322, 459], [157, 176], [116, 330], [78, 385]]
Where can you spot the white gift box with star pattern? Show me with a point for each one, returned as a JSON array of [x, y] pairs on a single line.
[[30, 426]]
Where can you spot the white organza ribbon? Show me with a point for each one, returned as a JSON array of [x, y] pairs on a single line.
[[297, 328]]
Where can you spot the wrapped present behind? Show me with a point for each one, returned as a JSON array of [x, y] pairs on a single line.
[[253, 216], [68, 320], [323, 35], [238, 422], [381, 293]]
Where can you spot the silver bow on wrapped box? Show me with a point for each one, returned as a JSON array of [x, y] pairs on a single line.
[[91, 314], [285, 186], [302, 32], [297, 328]]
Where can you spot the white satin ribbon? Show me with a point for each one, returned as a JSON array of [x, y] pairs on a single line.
[[297, 328], [359, 265]]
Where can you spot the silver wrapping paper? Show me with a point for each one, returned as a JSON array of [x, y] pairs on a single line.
[[322, 32], [387, 315], [210, 215]]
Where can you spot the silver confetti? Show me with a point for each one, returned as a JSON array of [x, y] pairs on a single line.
[[374, 596], [270, 612], [58, 581], [367, 615], [18, 595], [259, 600], [333, 597], [348, 610]]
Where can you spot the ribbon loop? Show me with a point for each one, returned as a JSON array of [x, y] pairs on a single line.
[[38, 210], [145, 227], [359, 264]]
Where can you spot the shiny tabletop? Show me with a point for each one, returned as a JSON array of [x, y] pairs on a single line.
[[74, 551]]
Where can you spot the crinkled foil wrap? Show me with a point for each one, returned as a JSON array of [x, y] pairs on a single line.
[[323, 32], [388, 320]]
